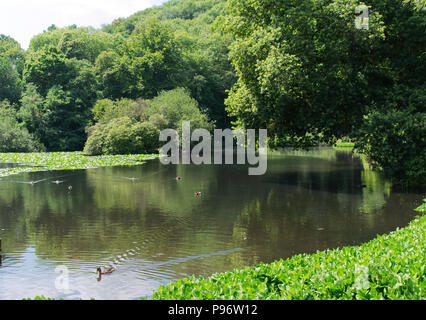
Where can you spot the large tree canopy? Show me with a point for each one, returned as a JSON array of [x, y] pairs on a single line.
[[11, 49], [307, 73], [11, 64], [9, 81], [67, 88]]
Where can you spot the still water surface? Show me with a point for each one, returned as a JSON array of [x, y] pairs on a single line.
[[154, 230]]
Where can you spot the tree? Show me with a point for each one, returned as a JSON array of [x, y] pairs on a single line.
[[68, 88], [10, 84], [114, 75], [13, 136], [198, 59], [127, 126], [11, 50], [309, 75], [85, 43], [46, 68], [33, 112], [174, 107], [154, 59]]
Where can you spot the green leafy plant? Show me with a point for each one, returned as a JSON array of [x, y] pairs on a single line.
[[391, 266], [66, 161]]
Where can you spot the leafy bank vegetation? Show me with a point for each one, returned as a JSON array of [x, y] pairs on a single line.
[[391, 266]]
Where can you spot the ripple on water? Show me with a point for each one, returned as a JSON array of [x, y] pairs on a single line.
[[155, 231]]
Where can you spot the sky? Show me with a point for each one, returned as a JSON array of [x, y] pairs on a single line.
[[23, 19]]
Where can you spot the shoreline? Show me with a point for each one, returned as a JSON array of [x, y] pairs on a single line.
[[387, 267]]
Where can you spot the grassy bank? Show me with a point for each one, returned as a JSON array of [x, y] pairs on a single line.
[[33, 162], [344, 145], [392, 266]]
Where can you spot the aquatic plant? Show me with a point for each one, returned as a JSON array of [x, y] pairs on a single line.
[[49, 161]]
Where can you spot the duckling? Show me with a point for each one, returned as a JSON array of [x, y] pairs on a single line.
[[197, 194]]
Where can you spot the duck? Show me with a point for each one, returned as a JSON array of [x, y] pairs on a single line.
[[178, 178], [197, 194], [100, 272], [70, 188], [105, 271]]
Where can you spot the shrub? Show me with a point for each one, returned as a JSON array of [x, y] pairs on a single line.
[[104, 110], [14, 137], [122, 136], [125, 126], [172, 107], [395, 141]]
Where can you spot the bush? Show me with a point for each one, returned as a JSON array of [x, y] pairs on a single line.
[[170, 108], [14, 137], [125, 126], [395, 141], [122, 136], [104, 110]]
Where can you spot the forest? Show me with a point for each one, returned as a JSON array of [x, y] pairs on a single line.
[[301, 69]]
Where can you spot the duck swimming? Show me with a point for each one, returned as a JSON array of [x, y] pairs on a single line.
[[197, 194], [178, 178], [100, 272]]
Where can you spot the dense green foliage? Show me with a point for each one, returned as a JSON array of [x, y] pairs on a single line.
[[309, 75], [12, 59], [122, 136], [180, 39], [55, 83], [389, 267], [9, 79], [394, 140], [170, 108], [301, 69], [126, 126], [67, 91], [14, 137]]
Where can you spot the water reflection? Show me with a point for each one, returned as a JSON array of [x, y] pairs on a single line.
[[153, 229], [9, 165]]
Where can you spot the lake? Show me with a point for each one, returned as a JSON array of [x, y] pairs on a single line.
[[154, 230]]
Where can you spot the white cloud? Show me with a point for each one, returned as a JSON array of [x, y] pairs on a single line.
[[22, 19]]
